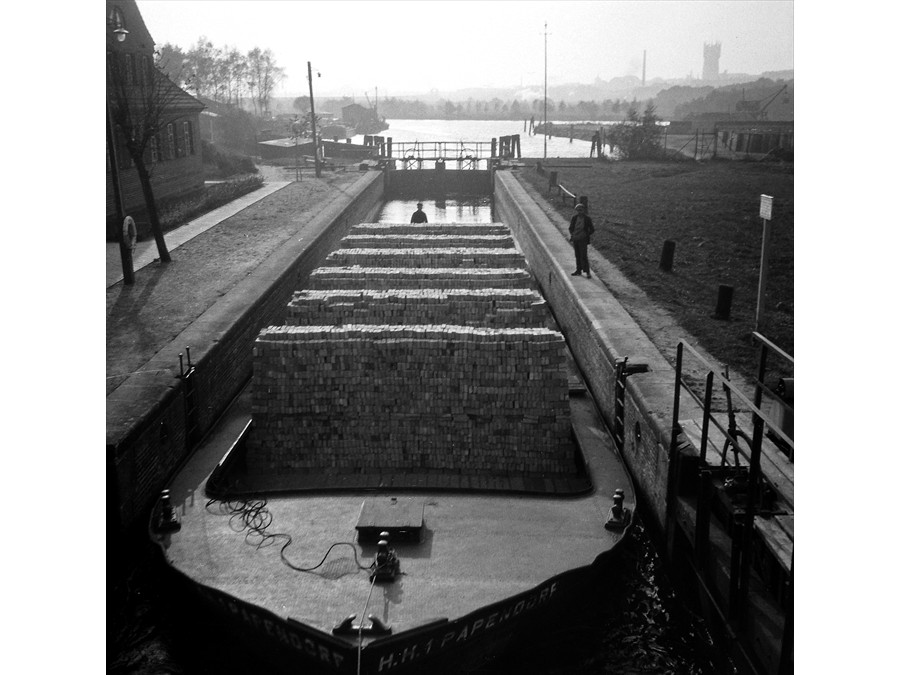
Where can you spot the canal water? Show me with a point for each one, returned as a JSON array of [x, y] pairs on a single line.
[[407, 131], [637, 625]]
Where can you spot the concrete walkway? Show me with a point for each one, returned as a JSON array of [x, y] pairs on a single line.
[[145, 252]]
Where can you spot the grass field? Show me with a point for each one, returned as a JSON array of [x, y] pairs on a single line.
[[711, 211]]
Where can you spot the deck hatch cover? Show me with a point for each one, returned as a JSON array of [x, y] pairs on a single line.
[[401, 517]]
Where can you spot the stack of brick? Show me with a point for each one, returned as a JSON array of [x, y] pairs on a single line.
[[426, 257], [491, 307], [376, 398], [431, 229], [339, 278], [397, 240]]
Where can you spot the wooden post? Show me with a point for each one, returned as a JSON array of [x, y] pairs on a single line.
[[668, 256], [723, 302]]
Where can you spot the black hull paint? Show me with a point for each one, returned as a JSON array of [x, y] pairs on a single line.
[[440, 646]]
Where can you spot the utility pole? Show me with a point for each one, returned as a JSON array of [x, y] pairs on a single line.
[[545, 90], [312, 119]]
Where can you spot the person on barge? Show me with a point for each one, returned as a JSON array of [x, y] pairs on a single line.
[[418, 215]]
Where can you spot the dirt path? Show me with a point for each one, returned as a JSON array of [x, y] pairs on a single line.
[[165, 299]]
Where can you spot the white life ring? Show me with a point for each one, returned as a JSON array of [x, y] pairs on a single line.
[[129, 232]]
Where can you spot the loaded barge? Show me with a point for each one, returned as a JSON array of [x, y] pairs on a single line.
[[415, 478], [716, 484]]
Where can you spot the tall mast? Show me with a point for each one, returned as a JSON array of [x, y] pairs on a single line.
[[312, 119], [545, 90]]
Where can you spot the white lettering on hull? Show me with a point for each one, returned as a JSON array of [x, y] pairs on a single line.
[[461, 634], [274, 628]]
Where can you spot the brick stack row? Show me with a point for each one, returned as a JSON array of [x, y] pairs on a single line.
[[459, 256], [430, 229], [418, 241], [356, 277], [376, 398], [491, 307], [411, 358]]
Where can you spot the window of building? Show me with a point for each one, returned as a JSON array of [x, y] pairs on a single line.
[[154, 149], [170, 136], [188, 138], [129, 69]]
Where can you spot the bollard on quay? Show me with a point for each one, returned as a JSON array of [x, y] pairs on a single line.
[[668, 256], [723, 303]]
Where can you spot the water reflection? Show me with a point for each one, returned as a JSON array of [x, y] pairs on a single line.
[[468, 210]]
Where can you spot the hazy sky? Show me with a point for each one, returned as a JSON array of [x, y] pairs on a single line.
[[403, 47]]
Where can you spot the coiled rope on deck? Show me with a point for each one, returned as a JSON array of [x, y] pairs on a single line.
[[254, 517]]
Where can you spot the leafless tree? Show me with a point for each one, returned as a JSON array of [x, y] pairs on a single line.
[[265, 75], [143, 101]]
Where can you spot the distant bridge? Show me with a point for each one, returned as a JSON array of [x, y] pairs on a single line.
[[436, 154]]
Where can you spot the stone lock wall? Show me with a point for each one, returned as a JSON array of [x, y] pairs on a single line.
[[599, 331]]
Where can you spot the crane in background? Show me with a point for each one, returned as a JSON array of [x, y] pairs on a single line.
[[757, 109]]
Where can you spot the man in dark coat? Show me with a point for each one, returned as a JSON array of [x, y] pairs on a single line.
[[418, 215], [580, 230]]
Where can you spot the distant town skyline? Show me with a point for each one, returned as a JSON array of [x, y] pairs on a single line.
[[406, 48]]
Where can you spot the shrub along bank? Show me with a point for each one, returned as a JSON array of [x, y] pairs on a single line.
[[178, 212]]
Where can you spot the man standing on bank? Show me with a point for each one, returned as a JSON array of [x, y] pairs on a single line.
[[418, 215], [580, 230]]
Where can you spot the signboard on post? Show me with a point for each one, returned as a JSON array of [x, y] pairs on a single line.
[[765, 212], [765, 207]]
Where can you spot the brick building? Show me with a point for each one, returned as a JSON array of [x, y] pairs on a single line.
[[173, 156]]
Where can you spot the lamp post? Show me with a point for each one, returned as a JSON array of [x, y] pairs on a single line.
[[312, 119], [124, 250]]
